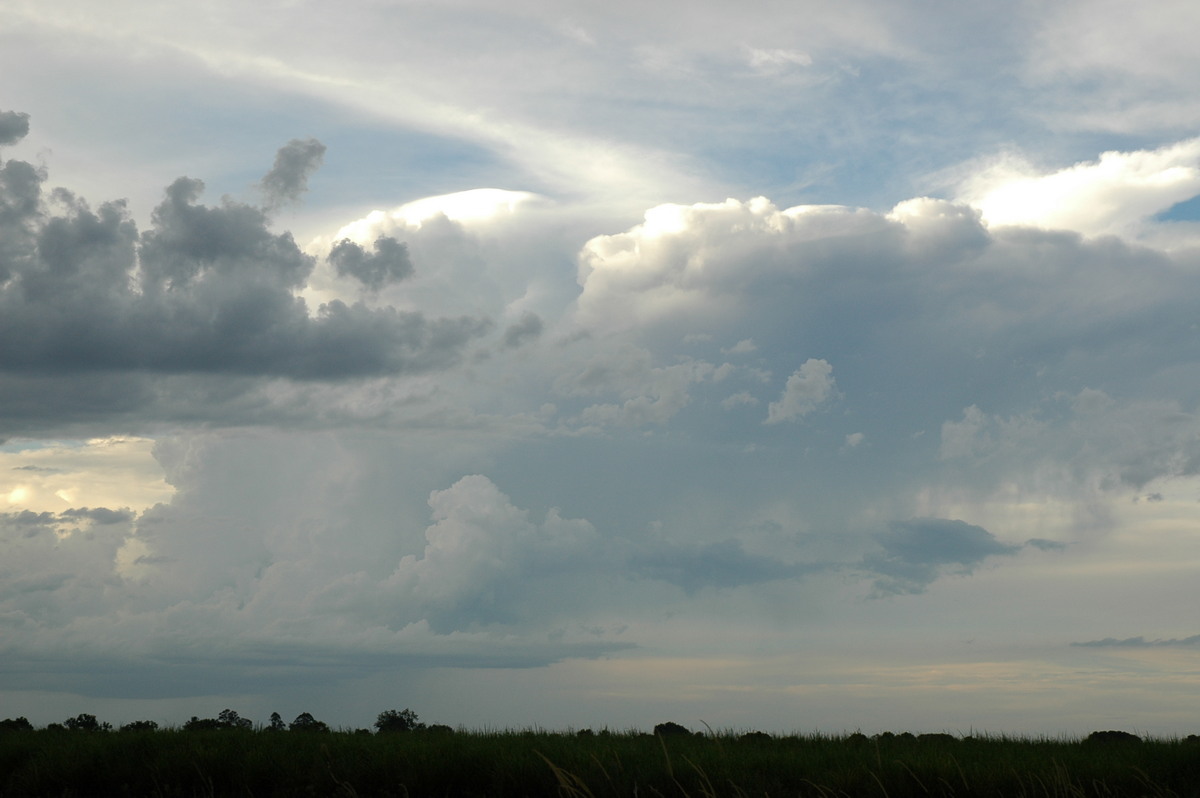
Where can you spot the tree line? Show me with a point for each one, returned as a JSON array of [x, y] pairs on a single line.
[[387, 722]]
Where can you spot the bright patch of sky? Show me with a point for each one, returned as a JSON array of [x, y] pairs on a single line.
[[574, 365]]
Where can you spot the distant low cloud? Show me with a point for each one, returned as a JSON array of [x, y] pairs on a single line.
[[715, 565], [1141, 642], [1046, 545], [919, 551]]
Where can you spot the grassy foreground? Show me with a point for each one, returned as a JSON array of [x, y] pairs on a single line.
[[230, 762]]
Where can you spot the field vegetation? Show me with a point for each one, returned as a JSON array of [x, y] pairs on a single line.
[[229, 756]]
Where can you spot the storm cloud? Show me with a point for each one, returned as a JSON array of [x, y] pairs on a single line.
[[560, 401], [206, 290]]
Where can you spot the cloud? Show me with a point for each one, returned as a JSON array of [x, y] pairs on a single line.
[[99, 515], [275, 556], [1090, 441], [1115, 195], [1046, 545], [705, 260], [484, 559], [1095, 71], [807, 389], [724, 564], [529, 327], [206, 290], [739, 398], [295, 162], [777, 61], [742, 347], [1141, 642], [919, 551], [14, 126], [388, 264]]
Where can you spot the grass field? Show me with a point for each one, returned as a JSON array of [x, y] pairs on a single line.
[[242, 762]]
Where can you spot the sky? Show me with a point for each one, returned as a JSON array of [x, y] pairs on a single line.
[[792, 366]]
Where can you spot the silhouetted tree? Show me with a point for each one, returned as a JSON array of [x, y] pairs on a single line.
[[86, 722], [1111, 737], [305, 722], [276, 723], [226, 719], [201, 724], [231, 720], [139, 726], [392, 720], [16, 724], [938, 737], [669, 728]]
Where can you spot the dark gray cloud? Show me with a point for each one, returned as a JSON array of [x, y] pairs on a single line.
[[917, 552], [388, 264], [28, 518], [294, 164], [1141, 642], [14, 126], [527, 328], [207, 290], [717, 565], [100, 515], [1046, 545]]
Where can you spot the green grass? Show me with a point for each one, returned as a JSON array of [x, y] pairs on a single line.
[[231, 762]]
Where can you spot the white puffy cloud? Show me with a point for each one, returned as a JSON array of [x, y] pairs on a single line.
[[484, 560], [702, 259], [807, 389], [1115, 195]]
